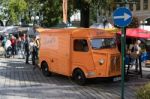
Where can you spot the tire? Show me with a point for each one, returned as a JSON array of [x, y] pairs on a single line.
[[45, 70], [79, 77]]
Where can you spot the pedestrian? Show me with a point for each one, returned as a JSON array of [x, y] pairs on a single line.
[[13, 45], [2, 50], [135, 51], [26, 46], [4, 41], [37, 43], [8, 47], [19, 46], [33, 49]]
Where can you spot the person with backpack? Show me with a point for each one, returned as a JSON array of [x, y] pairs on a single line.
[[34, 50]]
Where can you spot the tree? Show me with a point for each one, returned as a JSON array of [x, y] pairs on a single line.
[[85, 5], [16, 8], [13, 10], [51, 10]]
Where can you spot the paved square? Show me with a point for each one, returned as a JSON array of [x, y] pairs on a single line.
[[19, 81]]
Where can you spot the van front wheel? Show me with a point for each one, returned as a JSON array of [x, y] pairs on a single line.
[[79, 77], [45, 70]]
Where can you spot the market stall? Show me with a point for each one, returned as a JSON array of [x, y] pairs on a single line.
[[133, 34]]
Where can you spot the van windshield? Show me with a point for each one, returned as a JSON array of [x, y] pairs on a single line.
[[99, 43]]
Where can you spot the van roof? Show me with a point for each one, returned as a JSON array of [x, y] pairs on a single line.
[[78, 32]]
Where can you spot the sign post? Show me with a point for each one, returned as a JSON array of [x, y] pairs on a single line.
[[122, 17]]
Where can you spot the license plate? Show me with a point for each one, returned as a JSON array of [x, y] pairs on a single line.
[[116, 79]]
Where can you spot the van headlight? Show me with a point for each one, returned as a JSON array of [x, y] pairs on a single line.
[[101, 61]]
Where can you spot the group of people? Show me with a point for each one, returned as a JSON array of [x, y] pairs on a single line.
[[10, 45], [31, 48], [23, 46]]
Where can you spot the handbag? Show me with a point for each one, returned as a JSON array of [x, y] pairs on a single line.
[[134, 55]]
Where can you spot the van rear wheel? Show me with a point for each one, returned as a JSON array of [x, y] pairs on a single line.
[[45, 70], [79, 77]]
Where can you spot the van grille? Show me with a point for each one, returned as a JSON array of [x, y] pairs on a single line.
[[114, 64]]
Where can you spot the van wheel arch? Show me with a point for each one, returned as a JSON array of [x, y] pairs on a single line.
[[44, 69], [79, 76]]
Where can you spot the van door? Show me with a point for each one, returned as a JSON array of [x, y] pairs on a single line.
[[81, 54]]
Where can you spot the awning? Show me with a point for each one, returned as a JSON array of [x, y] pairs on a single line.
[[137, 33], [9, 30]]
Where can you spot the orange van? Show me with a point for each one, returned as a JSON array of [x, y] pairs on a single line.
[[79, 53]]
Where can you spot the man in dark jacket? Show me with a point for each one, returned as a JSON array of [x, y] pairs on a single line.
[[26, 45]]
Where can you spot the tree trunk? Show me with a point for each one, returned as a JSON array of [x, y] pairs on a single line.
[[85, 16], [1, 23]]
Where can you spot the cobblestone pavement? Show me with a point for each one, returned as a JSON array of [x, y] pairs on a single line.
[[19, 81]]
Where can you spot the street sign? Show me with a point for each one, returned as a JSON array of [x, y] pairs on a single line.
[[122, 17]]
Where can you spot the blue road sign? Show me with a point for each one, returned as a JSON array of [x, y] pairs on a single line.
[[122, 17]]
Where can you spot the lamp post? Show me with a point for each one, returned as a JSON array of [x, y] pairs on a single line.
[[37, 19], [32, 19]]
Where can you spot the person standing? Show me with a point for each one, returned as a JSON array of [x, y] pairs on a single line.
[[37, 43], [26, 46], [8, 47], [33, 49], [13, 45], [20, 47], [4, 41], [135, 51]]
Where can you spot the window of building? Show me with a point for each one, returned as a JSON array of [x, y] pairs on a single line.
[[81, 45], [145, 5], [131, 7], [137, 4]]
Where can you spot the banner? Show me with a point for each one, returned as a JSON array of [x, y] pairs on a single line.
[[65, 11]]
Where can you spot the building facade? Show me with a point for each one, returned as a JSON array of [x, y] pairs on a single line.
[[139, 8]]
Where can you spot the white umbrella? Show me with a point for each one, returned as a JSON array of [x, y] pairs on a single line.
[[9, 29], [32, 32], [101, 25]]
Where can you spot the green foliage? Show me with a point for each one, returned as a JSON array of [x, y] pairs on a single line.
[[104, 4], [144, 92], [85, 5], [14, 8], [52, 11]]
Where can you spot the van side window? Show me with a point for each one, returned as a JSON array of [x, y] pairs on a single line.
[[80, 45]]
